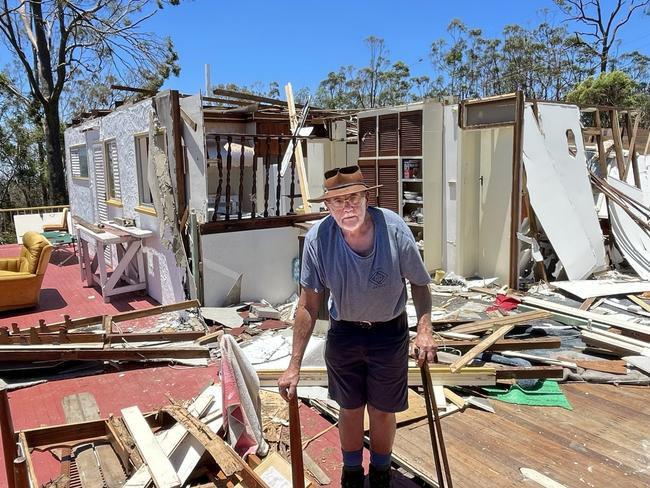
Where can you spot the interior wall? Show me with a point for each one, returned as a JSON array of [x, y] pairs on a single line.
[[81, 190], [494, 214], [468, 203], [263, 257], [316, 152], [432, 176], [451, 152], [194, 143]]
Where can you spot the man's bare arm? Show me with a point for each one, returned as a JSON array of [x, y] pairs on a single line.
[[425, 345], [303, 326]]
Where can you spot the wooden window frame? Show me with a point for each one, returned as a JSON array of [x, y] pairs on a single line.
[[144, 206], [110, 164]]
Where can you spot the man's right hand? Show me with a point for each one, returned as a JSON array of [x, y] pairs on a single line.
[[288, 382]]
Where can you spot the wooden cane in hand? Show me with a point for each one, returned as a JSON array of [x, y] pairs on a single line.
[[435, 430], [295, 441]]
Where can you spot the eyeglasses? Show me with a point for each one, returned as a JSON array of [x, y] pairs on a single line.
[[346, 170], [337, 203]]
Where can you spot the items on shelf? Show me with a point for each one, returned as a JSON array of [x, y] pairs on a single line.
[[412, 195], [412, 169]]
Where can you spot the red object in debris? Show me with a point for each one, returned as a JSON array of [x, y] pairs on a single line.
[[504, 303]]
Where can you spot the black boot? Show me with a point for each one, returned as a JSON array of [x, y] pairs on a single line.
[[380, 477], [352, 477]]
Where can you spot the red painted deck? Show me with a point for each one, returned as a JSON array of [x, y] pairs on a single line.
[[63, 293], [149, 389]]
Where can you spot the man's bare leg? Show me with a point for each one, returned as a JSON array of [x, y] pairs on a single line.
[[351, 428], [382, 430]]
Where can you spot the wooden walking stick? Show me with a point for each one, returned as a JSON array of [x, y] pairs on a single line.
[[295, 441], [435, 431]]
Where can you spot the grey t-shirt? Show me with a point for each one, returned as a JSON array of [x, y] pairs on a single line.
[[363, 288]]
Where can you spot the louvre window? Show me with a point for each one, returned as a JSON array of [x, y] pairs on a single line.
[[113, 190], [79, 161]]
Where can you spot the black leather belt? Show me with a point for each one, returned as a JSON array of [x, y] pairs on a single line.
[[364, 324]]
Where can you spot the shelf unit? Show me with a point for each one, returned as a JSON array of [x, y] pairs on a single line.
[[390, 154]]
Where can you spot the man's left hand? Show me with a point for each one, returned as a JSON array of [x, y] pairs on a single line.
[[425, 348]]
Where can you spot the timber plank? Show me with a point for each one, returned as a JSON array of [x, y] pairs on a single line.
[[89, 472], [160, 467], [121, 354], [480, 347], [112, 470]]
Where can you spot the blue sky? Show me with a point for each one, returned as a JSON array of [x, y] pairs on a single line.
[[301, 41]]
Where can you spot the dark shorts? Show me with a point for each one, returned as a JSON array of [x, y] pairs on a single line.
[[368, 365]]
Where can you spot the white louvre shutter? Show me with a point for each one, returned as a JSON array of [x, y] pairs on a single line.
[[100, 189], [115, 167], [100, 181], [74, 163]]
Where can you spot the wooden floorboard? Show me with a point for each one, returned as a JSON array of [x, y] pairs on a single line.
[[604, 441]]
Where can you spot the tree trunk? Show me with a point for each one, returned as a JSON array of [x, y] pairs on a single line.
[[604, 56], [58, 193]]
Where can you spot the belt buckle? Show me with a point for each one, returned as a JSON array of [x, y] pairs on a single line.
[[365, 324]]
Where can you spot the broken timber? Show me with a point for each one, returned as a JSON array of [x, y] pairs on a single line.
[[480, 347], [440, 375], [111, 354], [506, 344], [227, 459], [63, 337], [516, 319], [160, 467], [576, 317], [70, 324]]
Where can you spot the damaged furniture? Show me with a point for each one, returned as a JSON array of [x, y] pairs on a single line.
[[61, 240], [21, 277], [61, 226], [127, 243]]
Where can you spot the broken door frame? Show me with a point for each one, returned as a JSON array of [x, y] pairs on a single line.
[[513, 118]]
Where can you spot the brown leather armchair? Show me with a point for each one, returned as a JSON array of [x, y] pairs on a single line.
[[21, 277]]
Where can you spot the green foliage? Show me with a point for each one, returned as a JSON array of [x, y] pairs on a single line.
[[543, 61], [22, 169], [59, 46], [380, 83], [614, 89]]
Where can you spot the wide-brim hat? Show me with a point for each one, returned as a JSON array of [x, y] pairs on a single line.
[[343, 181]]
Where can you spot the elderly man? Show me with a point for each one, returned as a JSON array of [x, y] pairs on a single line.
[[363, 255]]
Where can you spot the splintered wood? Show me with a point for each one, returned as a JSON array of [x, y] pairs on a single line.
[[224, 456]]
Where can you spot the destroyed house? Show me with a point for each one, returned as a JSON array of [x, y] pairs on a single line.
[[498, 187], [495, 187], [214, 181]]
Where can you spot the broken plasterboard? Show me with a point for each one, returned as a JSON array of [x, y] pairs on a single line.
[[559, 189], [226, 316], [631, 239], [599, 288]]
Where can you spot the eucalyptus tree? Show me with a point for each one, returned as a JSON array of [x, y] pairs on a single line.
[[57, 43], [600, 26]]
